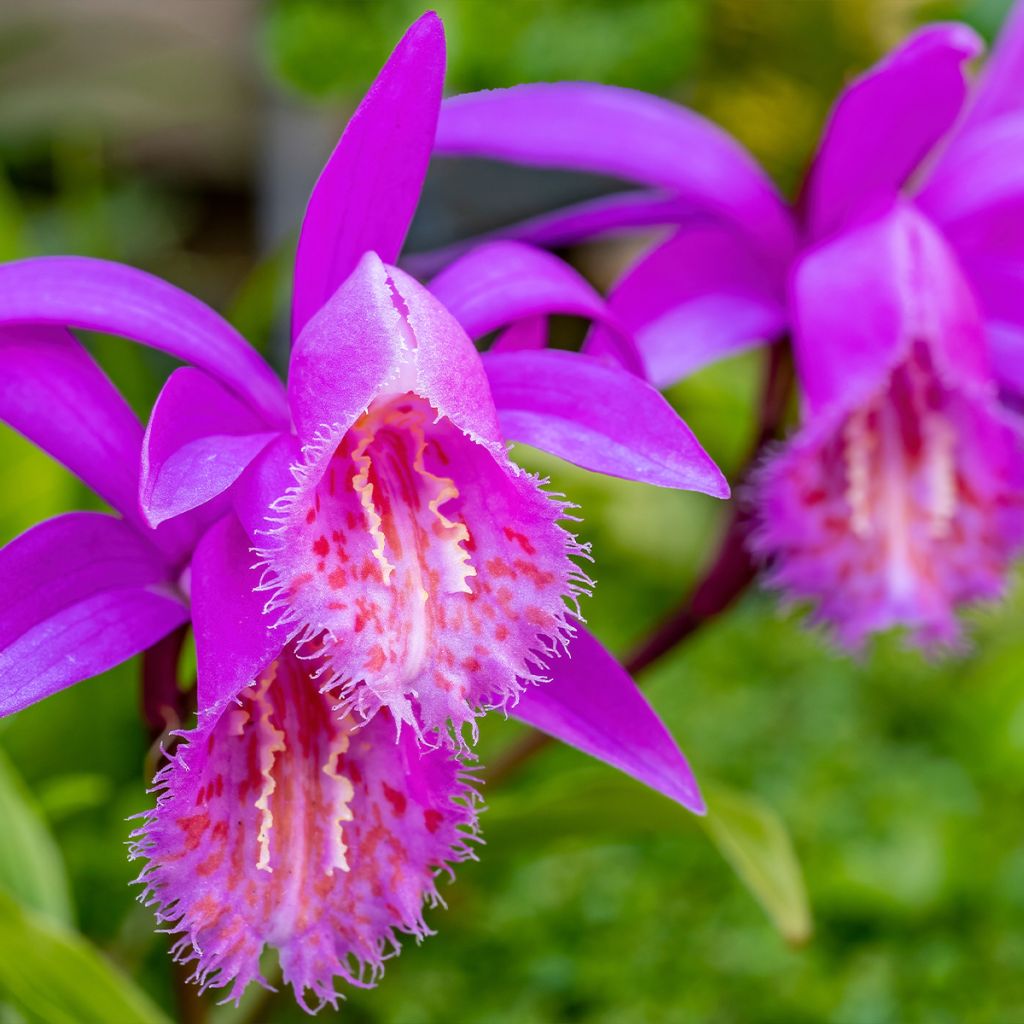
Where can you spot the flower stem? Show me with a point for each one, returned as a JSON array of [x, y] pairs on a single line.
[[161, 699], [727, 578]]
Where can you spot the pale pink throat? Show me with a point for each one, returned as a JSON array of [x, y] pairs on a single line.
[[430, 571]]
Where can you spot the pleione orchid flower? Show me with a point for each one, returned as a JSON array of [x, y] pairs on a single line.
[[364, 567], [898, 276]]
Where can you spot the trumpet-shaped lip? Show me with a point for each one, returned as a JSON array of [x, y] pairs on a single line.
[[897, 511], [280, 824]]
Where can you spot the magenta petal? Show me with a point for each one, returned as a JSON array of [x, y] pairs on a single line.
[[977, 191], [1001, 85], [383, 333], [999, 286], [860, 301], [600, 418], [234, 638], [1006, 347], [54, 393], [79, 594], [522, 335], [262, 482], [347, 354], [702, 295], [367, 193], [886, 122], [622, 211], [74, 291], [199, 439], [592, 704], [501, 282], [197, 473], [449, 373], [580, 125]]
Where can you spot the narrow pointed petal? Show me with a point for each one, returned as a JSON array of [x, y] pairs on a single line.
[[591, 703], [235, 639], [79, 594], [1001, 84], [279, 824], [699, 297], [622, 211], [886, 122], [976, 194], [501, 282], [95, 295], [53, 392], [861, 300], [198, 441], [600, 418], [367, 193], [631, 135]]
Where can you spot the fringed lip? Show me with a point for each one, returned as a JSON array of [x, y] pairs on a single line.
[[895, 504], [897, 512], [279, 823], [429, 577]]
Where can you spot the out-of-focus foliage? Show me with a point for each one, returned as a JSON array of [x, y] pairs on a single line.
[[31, 868], [648, 43], [755, 842], [54, 976], [900, 781]]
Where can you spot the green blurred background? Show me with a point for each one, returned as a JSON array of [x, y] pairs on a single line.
[[183, 137]]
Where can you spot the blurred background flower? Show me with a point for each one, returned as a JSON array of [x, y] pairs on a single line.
[[184, 137]]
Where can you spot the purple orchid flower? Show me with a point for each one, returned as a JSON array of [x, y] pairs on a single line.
[[410, 574], [899, 277]]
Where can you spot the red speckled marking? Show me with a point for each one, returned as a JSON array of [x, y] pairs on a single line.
[[898, 511], [314, 839], [444, 546]]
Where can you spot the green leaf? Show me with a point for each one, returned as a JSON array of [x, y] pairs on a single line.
[[31, 866], [66, 795], [750, 836], [56, 976], [754, 840]]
